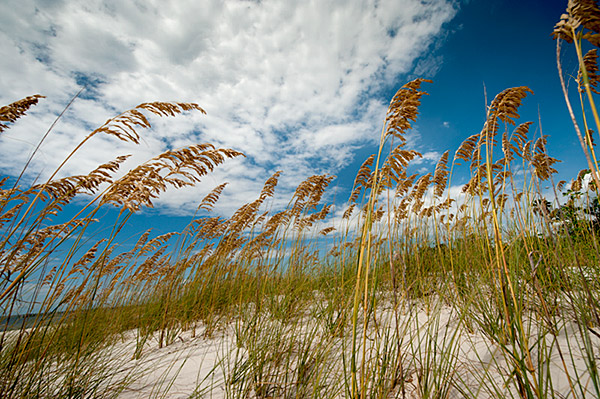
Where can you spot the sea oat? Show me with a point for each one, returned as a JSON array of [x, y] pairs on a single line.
[[541, 161], [10, 113], [579, 13], [209, 201], [403, 109], [123, 126], [590, 62], [440, 175], [467, 147], [176, 168]]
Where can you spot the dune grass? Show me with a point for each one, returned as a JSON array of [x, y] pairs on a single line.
[[492, 292]]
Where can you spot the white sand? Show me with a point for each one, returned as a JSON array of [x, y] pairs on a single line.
[[205, 366]]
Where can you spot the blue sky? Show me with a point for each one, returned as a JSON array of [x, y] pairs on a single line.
[[297, 86], [496, 45]]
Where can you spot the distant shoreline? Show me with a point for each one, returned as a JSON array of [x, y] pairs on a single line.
[[16, 322]]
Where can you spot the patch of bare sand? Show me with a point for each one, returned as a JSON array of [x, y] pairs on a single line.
[[438, 351]]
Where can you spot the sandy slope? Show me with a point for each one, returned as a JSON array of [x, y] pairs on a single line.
[[434, 349]]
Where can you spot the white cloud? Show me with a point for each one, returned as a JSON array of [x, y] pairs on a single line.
[[431, 157], [293, 85]]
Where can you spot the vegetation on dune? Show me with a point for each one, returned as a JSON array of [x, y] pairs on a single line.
[[492, 292]]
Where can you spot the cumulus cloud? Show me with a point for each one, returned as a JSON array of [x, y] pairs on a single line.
[[430, 157], [294, 85]]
